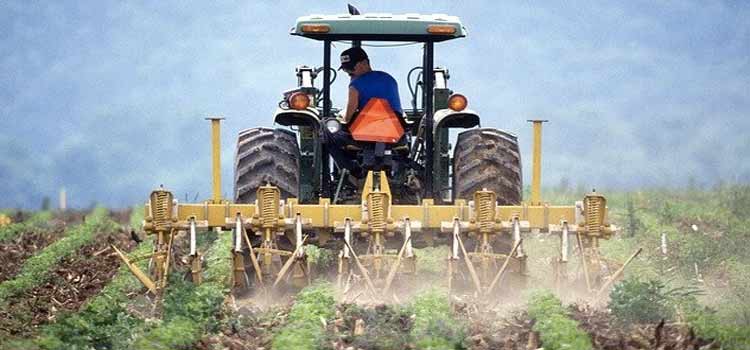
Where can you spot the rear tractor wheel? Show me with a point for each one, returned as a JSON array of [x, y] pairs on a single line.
[[487, 158], [266, 156]]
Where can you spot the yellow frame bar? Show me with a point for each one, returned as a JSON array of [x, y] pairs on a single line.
[[325, 215]]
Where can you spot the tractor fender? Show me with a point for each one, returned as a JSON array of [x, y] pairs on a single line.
[[448, 118], [290, 117]]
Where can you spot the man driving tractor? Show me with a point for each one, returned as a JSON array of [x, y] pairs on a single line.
[[373, 95]]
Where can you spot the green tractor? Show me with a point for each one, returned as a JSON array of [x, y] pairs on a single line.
[[418, 190], [297, 161]]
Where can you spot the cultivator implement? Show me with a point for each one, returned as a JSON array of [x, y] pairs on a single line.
[[482, 225], [596, 271], [375, 220]]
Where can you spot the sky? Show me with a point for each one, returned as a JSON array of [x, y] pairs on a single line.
[[107, 99]]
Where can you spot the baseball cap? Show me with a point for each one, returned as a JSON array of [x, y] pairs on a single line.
[[351, 56]]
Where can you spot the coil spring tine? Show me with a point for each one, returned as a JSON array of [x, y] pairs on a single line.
[[377, 213], [161, 212]]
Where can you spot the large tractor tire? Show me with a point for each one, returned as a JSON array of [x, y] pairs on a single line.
[[487, 158], [266, 156]]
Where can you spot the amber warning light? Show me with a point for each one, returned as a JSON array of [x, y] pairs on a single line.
[[441, 29], [315, 28]]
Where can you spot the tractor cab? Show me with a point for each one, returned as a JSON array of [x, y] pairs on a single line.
[[409, 145]]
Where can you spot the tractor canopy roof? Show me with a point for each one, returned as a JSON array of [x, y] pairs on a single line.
[[380, 27]]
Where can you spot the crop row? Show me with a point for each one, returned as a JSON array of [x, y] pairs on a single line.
[[190, 310], [12, 230], [556, 329], [36, 269], [434, 325], [104, 322], [313, 307]]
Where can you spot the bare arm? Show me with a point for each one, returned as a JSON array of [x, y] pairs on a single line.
[[351, 105]]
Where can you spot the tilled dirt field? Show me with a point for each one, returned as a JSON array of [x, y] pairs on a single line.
[[247, 329], [74, 280], [371, 327], [609, 335], [515, 332], [13, 253]]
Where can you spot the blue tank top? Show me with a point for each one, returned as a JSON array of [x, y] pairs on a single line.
[[377, 84]]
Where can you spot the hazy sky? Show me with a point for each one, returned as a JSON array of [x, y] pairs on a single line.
[[107, 98]]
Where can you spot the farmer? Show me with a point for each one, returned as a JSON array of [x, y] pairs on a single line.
[[365, 84]]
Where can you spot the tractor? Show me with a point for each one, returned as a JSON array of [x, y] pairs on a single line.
[[418, 190]]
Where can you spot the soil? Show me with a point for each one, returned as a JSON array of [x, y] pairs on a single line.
[[73, 281], [606, 334], [487, 331], [369, 327], [13, 253], [250, 328]]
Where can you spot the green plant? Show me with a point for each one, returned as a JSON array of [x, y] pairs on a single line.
[[667, 212], [305, 328], [634, 300], [320, 256], [709, 325], [556, 330], [434, 325], [386, 326]]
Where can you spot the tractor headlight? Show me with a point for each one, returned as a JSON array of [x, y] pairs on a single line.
[[457, 102], [299, 100], [333, 125]]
